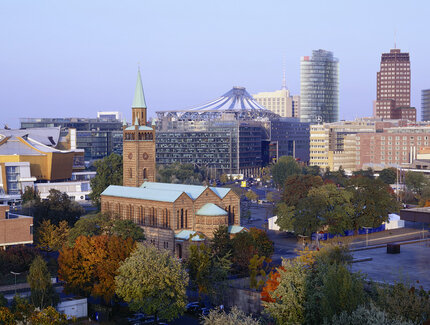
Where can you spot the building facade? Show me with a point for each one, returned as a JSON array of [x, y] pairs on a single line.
[[393, 90], [279, 102], [425, 105], [98, 137], [319, 87], [14, 229], [233, 134]]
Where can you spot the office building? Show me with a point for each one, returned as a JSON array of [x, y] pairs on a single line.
[[232, 134], [98, 137], [425, 105], [319, 87], [279, 102], [393, 90]]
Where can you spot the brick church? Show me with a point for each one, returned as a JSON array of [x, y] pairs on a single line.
[[172, 215]]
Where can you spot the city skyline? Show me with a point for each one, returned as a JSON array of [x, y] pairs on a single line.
[[76, 60]]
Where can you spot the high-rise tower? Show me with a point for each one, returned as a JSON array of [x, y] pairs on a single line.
[[425, 105], [319, 87], [138, 143], [393, 90]]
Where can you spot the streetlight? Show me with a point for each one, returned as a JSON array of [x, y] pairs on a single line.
[[15, 273], [367, 235]]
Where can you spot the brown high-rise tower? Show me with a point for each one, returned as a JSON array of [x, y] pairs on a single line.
[[393, 92], [138, 143]]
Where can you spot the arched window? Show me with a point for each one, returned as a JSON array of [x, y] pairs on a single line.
[[145, 176], [186, 218], [177, 219], [182, 218], [130, 173]]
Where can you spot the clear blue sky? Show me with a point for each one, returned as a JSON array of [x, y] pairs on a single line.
[[74, 58]]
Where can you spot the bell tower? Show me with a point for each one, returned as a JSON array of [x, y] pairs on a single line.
[[138, 143]]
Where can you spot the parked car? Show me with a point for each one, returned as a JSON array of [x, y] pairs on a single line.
[[205, 311], [192, 307]]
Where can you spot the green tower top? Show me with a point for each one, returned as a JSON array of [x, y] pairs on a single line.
[[139, 97]]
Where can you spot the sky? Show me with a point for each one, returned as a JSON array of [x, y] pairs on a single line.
[[75, 58]]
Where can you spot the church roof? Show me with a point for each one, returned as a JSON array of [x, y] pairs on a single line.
[[142, 193], [139, 97], [210, 209], [187, 234], [236, 229], [193, 191], [140, 128]]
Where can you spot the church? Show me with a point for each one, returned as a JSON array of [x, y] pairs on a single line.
[[173, 216]]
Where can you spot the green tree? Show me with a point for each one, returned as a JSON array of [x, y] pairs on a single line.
[[337, 177], [57, 207], [364, 315], [221, 243], [311, 170], [285, 216], [154, 282], [325, 206], [109, 172], [234, 317], [286, 166], [297, 187], [29, 195], [223, 178], [388, 175], [207, 271], [286, 302], [416, 182], [39, 279], [369, 173], [181, 174], [251, 195], [105, 224], [372, 201]]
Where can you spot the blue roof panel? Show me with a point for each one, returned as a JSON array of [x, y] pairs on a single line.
[[210, 209], [142, 193]]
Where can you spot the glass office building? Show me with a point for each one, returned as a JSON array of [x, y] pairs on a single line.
[[232, 134], [425, 105], [319, 87], [99, 137]]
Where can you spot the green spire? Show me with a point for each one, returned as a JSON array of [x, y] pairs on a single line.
[[139, 97], [124, 122]]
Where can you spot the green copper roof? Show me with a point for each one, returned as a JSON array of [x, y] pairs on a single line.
[[236, 229], [142, 193], [187, 234], [140, 128], [139, 97], [210, 209], [193, 191]]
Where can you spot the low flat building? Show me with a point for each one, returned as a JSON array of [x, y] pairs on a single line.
[[14, 229]]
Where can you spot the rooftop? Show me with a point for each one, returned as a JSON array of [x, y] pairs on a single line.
[[210, 209]]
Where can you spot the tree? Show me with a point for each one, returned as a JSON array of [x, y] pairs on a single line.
[[109, 172], [416, 182], [335, 177], [221, 243], [16, 259], [39, 279], [223, 178], [372, 202], [89, 268], [285, 216], [154, 282], [207, 271], [50, 237], [388, 175], [286, 303], [256, 269], [56, 208], [29, 195], [6, 316], [297, 187], [311, 170], [48, 316], [367, 316], [105, 224], [3, 301], [325, 206], [251, 195], [181, 174], [286, 166], [364, 173], [234, 317]]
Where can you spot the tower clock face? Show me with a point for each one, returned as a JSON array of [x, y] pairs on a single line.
[[130, 155], [145, 156]]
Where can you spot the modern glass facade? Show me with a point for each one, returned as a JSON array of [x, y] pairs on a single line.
[[98, 137], [319, 87], [425, 105]]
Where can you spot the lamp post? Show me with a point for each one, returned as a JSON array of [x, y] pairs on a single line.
[[367, 235], [15, 274]]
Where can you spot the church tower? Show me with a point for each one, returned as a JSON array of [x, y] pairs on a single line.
[[138, 143]]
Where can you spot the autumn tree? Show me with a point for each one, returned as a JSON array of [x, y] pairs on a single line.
[[285, 167], [39, 279], [50, 237], [109, 172], [251, 195], [90, 267], [154, 282]]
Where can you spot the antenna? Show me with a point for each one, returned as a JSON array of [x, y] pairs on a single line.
[[284, 80]]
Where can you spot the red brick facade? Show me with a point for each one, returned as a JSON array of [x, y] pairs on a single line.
[[16, 230]]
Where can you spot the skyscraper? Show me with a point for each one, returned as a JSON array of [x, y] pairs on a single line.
[[319, 87], [393, 90], [425, 105]]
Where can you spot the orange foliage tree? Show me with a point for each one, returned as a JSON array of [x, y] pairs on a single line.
[[271, 285], [90, 266]]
